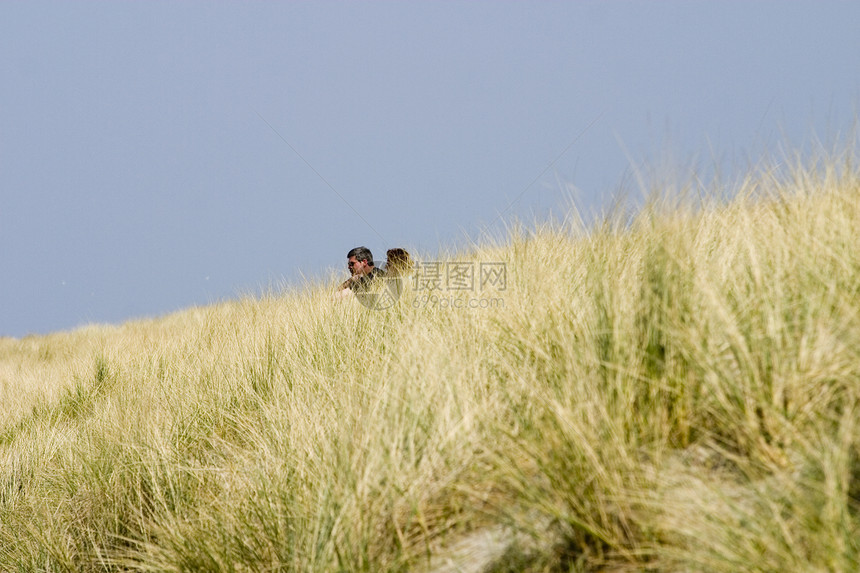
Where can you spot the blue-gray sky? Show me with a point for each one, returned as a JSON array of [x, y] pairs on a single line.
[[158, 155]]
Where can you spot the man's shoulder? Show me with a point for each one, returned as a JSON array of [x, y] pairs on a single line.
[[364, 281]]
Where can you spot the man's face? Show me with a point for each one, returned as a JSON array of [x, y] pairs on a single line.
[[357, 267]]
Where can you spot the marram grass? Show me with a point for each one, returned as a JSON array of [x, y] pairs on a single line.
[[675, 392]]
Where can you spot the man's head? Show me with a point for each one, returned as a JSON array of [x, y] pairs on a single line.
[[360, 261]]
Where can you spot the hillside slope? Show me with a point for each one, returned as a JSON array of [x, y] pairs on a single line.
[[674, 393]]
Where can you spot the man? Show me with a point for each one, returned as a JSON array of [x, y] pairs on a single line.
[[360, 263]]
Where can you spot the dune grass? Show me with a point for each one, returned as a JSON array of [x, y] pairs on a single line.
[[677, 391]]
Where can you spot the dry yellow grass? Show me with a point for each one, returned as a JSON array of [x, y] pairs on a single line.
[[678, 392]]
